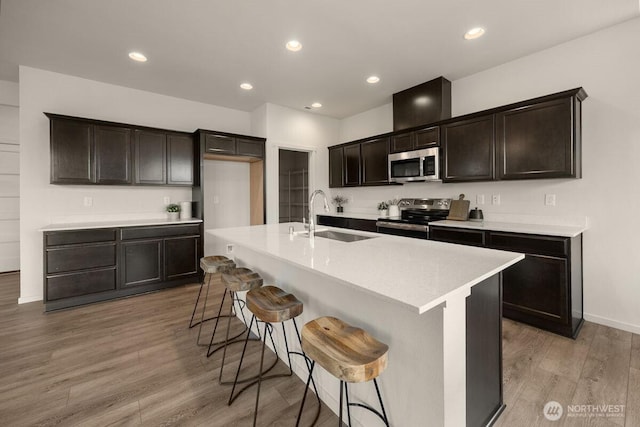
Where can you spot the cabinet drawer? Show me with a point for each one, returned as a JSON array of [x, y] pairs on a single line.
[[76, 284], [80, 257], [458, 235], [247, 147], [363, 224], [220, 144], [333, 221], [56, 238], [159, 231], [527, 243]]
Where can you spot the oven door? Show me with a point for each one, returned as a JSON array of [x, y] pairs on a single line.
[[417, 231]]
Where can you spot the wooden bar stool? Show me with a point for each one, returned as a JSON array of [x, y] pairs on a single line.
[[270, 304], [235, 280], [212, 266], [349, 354]]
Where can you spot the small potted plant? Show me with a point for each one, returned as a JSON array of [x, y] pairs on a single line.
[[173, 212], [339, 200], [394, 210], [383, 209]]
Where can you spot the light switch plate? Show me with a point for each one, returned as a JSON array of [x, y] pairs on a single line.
[[550, 199], [480, 199], [167, 200], [88, 202], [495, 199]]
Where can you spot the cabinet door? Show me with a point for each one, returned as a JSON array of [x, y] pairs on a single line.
[[181, 257], [249, 147], [536, 287], [402, 142], [536, 141], [113, 155], [352, 165], [375, 169], [428, 137], [72, 152], [180, 159], [150, 157], [336, 167], [141, 263], [219, 144], [468, 150]]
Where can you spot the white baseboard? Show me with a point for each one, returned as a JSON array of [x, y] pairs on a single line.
[[24, 300], [612, 323]]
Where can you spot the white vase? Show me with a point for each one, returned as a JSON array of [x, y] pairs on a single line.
[[394, 211], [173, 216], [383, 213]]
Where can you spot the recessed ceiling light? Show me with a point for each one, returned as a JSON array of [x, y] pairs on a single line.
[[294, 45], [316, 105], [373, 79], [246, 86], [137, 56], [474, 33]]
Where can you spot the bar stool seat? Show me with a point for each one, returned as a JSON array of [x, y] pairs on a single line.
[[272, 304], [213, 265], [241, 279], [348, 353]]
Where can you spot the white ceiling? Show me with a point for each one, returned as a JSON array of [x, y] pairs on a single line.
[[203, 49]]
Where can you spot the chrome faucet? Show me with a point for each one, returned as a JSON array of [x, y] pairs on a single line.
[[312, 223]]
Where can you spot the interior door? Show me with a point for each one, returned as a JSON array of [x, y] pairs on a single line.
[[9, 189]]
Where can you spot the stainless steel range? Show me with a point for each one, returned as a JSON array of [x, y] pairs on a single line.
[[415, 216]]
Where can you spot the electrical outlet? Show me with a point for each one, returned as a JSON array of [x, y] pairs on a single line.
[[88, 202], [480, 199], [229, 249], [550, 199], [495, 199], [167, 200]]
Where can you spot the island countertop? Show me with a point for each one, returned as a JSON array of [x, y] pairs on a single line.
[[419, 274]]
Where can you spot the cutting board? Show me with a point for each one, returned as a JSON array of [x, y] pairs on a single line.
[[459, 209]]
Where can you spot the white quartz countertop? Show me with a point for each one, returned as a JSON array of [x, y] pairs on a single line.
[[419, 274], [350, 215], [512, 227], [118, 223]]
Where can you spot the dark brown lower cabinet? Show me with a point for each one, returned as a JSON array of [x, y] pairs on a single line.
[[352, 223], [90, 265], [141, 263], [544, 289]]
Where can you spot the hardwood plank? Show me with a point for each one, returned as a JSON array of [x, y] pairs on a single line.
[[565, 356], [632, 409], [635, 352]]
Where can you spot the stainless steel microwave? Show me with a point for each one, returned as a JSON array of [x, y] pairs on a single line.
[[412, 166]]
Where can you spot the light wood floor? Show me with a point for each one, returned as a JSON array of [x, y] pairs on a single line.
[[133, 362]]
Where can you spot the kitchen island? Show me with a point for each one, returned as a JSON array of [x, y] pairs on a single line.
[[436, 305]]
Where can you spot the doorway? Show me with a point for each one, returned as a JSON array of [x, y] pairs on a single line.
[[293, 185]]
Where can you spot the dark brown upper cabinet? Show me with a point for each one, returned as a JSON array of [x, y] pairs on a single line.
[[112, 155], [352, 165], [336, 167], [423, 104], [180, 159], [72, 151], [416, 140], [541, 140], [85, 151], [374, 154], [150, 157], [231, 145], [468, 149]]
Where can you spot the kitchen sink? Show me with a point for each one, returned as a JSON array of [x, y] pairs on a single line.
[[343, 237]]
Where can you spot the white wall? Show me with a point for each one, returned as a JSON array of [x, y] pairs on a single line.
[[42, 203], [607, 65], [297, 130], [9, 177], [226, 196]]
